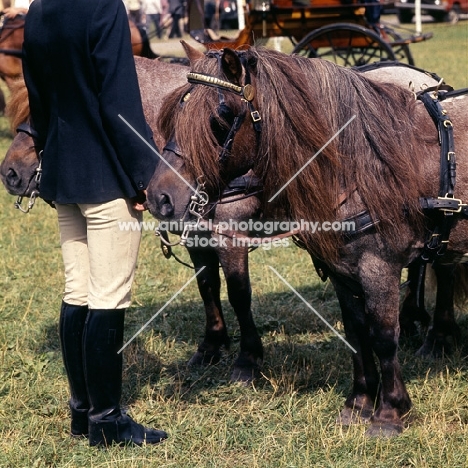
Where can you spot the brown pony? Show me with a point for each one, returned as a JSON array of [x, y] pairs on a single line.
[[158, 79], [11, 40], [329, 145]]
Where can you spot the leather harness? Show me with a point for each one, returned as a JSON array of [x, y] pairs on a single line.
[[445, 209]]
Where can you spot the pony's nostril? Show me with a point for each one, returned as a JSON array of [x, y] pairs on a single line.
[[12, 178], [166, 208]]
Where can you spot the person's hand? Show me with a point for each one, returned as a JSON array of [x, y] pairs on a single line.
[[139, 202], [11, 12]]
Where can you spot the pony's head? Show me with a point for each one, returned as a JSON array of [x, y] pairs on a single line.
[[18, 169], [211, 126]]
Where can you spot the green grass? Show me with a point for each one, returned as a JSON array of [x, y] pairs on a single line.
[[446, 53], [287, 419]]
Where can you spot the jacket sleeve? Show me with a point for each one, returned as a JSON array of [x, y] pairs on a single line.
[[119, 93]]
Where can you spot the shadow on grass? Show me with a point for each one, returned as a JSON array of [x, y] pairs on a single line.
[[301, 354]]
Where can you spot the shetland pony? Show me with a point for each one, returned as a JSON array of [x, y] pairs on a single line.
[[328, 144]]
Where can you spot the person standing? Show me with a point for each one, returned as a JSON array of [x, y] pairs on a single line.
[[176, 10], [153, 11], [81, 82], [134, 11]]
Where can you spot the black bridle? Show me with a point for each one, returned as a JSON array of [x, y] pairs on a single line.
[[10, 26], [36, 176], [199, 200]]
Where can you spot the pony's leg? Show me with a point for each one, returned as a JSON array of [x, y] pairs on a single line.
[[216, 336], [380, 281], [444, 324], [359, 405], [235, 263], [413, 309]]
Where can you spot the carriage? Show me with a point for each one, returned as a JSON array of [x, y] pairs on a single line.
[[347, 32]]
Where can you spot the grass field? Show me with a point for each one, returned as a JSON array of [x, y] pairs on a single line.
[[287, 419]]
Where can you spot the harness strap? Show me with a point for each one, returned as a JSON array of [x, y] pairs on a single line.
[[445, 206], [26, 128], [453, 94], [13, 52], [393, 63]]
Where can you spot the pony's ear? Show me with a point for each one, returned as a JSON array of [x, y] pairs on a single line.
[[231, 66], [192, 53]]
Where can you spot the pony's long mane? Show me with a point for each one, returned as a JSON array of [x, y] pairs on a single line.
[[304, 103], [17, 109]]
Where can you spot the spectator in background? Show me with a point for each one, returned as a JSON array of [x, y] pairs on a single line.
[[176, 10], [134, 11], [153, 11], [373, 11], [15, 8]]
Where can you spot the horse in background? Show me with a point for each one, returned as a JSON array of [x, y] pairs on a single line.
[[18, 170], [374, 158], [11, 40]]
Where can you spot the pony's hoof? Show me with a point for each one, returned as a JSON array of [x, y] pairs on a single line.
[[434, 349], [203, 359], [351, 417], [384, 429], [244, 375]]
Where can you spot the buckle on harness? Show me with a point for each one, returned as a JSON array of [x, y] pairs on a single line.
[[255, 116], [451, 200]]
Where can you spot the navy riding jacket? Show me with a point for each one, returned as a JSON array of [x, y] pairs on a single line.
[[80, 74]]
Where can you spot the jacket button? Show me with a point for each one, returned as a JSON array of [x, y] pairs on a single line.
[[140, 185]]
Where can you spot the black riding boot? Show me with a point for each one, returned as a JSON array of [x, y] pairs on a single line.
[[71, 326], [103, 338]]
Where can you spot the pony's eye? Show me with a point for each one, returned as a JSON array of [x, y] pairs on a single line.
[[221, 126]]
